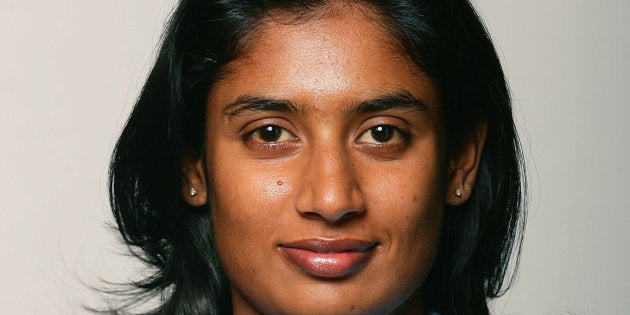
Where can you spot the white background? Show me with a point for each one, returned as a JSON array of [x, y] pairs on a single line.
[[70, 71]]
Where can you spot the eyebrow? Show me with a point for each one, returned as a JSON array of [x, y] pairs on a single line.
[[401, 99], [249, 103]]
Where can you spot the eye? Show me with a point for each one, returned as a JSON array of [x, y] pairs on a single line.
[[269, 134], [382, 134]]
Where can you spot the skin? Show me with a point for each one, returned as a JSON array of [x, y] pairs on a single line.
[[325, 173]]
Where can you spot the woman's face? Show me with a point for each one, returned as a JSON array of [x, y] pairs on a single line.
[[326, 168]]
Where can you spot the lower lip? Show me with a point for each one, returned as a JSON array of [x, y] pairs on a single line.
[[327, 265]]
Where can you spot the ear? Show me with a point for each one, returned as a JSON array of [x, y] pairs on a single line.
[[463, 165], [194, 182]]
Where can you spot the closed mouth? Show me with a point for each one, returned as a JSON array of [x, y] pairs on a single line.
[[328, 258]]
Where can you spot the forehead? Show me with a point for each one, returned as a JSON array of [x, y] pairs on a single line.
[[337, 20], [342, 50]]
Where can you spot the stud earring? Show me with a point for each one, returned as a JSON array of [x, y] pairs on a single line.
[[193, 191], [459, 192]]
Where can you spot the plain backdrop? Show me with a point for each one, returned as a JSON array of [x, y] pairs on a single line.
[[70, 71]]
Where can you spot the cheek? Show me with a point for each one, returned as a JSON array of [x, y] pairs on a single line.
[[248, 205], [247, 197], [411, 216], [413, 187], [407, 201]]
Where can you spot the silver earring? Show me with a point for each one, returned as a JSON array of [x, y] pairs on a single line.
[[193, 191], [459, 192]]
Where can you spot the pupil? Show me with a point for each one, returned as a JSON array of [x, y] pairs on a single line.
[[382, 133], [269, 133]]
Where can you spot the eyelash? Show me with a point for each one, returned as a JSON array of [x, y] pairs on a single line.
[[277, 146], [247, 138], [385, 147]]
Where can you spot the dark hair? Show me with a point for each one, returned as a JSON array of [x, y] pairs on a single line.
[[444, 37]]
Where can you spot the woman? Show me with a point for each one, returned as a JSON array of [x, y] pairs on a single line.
[[324, 157]]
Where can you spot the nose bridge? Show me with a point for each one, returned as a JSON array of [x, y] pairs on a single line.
[[332, 175], [330, 189]]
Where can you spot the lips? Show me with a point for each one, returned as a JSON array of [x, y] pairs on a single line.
[[326, 258]]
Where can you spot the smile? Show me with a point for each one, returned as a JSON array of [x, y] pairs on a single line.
[[325, 258]]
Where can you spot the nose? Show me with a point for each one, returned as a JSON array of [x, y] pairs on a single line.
[[330, 189]]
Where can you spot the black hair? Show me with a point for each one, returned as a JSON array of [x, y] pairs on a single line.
[[448, 42]]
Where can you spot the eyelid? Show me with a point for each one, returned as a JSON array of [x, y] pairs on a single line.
[[403, 137], [253, 125], [248, 135], [266, 150], [401, 124], [399, 133]]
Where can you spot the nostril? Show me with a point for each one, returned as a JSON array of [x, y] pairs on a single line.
[[311, 215], [332, 217], [349, 214]]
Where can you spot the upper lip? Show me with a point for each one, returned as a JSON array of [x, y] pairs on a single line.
[[324, 245]]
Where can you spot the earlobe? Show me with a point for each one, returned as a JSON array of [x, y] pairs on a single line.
[[194, 183], [464, 164]]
